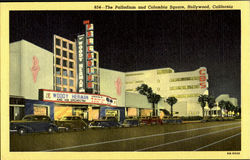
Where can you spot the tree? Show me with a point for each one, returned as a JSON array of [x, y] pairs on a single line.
[[171, 101], [229, 106], [222, 105], [202, 100], [211, 103], [147, 91]]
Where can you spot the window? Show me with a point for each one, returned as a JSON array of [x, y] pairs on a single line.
[[71, 46], [71, 73], [95, 63], [95, 55], [71, 65], [64, 89], [58, 88], [58, 71], [58, 61], [65, 81], [58, 42], [64, 63], [71, 82], [64, 44], [65, 72], [71, 90], [58, 52], [71, 56], [65, 54], [58, 80]]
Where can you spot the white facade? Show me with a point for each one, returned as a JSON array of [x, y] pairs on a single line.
[[185, 86], [112, 83], [31, 69]]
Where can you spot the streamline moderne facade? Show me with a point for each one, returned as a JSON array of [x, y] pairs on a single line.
[[185, 86]]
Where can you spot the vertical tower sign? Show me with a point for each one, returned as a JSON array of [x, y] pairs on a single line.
[[81, 58]]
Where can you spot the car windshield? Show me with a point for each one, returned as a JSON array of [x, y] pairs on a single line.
[[27, 118], [66, 118]]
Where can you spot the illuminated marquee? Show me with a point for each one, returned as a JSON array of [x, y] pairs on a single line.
[[71, 97]]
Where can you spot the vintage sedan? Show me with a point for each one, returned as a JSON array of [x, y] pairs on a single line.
[[33, 123], [145, 120], [131, 121], [67, 123], [105, 122], [173, 120], [155, 120]]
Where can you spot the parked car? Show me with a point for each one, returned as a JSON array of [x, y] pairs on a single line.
[[105, 122], [130, 121], [174, 120], [67, 123], [155, 120], [33, 123], [144, 120]]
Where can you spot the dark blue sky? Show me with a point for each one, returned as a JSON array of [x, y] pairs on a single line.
[[138, 40]]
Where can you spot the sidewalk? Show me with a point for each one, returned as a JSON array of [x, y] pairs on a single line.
[[197, 121]]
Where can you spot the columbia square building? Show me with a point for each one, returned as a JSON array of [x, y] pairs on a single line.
[[185, 86]]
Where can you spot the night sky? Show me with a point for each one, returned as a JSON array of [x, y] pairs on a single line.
[[140, 40]]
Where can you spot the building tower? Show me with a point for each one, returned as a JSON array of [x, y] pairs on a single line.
[[88, 61]]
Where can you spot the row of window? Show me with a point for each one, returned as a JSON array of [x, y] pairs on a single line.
[[184, 79], [131, 82], [134, 74], [59, 88], [64, 44], [64, 72], [185, 87], [65, 63], [164, 71], [64, 81], [185, 95], [64, 53]]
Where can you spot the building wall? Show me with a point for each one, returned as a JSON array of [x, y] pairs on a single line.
[[112, 83], [33, 69], [136, 100], [15, 68]]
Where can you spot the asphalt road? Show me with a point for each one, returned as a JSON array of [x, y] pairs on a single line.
[[210, 136]]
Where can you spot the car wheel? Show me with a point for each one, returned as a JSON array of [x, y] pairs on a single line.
[[51, 129], [84, 128], [21, 131]]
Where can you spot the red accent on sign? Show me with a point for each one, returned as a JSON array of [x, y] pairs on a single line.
[[89, 63], [89, 77], [89, 25], [89, 84], [89, 55], [86, 22], [89, 70], [202, 71], [203, 85], [202, 78], [89, 34]]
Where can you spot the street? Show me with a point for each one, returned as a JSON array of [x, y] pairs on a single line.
[[210, 136]]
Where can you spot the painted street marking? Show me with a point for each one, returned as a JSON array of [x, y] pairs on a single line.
[[134, 138], [185, 139], [217, 142]]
